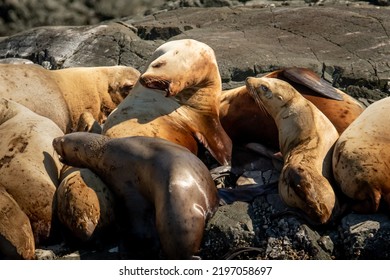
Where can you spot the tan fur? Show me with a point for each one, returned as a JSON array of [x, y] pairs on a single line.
[[176, 99], [29, 166], [306, 140], [63, 95], [16, 237], [361, 158], [85, 205]]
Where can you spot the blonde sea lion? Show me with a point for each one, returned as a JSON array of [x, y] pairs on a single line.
[[176, 99], [63, 95], [361, 156], [245, 122], [16, 236], [167, 191], [29, 166], [306, 138]]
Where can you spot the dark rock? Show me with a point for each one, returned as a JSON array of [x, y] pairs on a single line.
[[366, 236]]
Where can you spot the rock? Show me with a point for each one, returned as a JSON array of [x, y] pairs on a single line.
[[229, 229], [365, 236]]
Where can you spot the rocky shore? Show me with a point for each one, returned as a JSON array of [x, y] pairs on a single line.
[[347, 43]]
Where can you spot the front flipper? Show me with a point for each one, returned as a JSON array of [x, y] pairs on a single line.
[[216, 141]]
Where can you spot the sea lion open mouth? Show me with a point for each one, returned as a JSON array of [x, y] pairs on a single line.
[[156, 83]]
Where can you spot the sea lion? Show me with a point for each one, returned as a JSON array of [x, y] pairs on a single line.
[[245, 122], [16, 236], [361, 156], [176, 99], [29, 166], [85, 205], [306, 138], [167, 191], [63, 95]]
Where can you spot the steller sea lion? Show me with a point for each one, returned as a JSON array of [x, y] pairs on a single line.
[[306, 138], [16, 236], [361, 158], [245, 122], [84, 204], [176, 99], [168, 192], [63, 95], [29, 167]]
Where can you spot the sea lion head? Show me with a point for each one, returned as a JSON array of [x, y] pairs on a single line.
[[121, 81], [305, 189], [179, 65], [79, 148], [270, 94]]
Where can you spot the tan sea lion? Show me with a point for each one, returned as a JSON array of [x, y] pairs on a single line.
[[16, 236], [361, 158], [167, 191], [29, 166], [245, 122], [306, 138], [85, 205], [63, 95], [176, 99]]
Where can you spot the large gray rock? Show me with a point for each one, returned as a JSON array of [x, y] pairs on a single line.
[[349, 47]]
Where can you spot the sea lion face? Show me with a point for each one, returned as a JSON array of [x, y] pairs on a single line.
[[270, 93], [180, 64], [121, 81]]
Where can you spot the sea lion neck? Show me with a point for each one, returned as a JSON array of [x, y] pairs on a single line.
[[202, 99]]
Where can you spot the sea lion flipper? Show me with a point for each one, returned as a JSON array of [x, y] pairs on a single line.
[[220, 146], [308, 78]]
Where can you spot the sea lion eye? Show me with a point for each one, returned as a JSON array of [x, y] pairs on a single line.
[[159, 64], [264, 88]]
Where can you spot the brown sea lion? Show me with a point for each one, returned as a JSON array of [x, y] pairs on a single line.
[[29, 166], [168, 192], [361, 158], [63, 95], [245, 122], [306, 138], [176, 99]]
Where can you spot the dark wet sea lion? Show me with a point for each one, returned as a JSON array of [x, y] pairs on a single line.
[[168, 193]]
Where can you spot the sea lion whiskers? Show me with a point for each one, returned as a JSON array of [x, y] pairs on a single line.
[[257, 99]]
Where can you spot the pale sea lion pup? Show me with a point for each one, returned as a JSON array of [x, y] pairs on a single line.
[[176, 99], [63, 95], [245, 122], [168, 193], [306, 140], [361, 158], [29, 166]]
